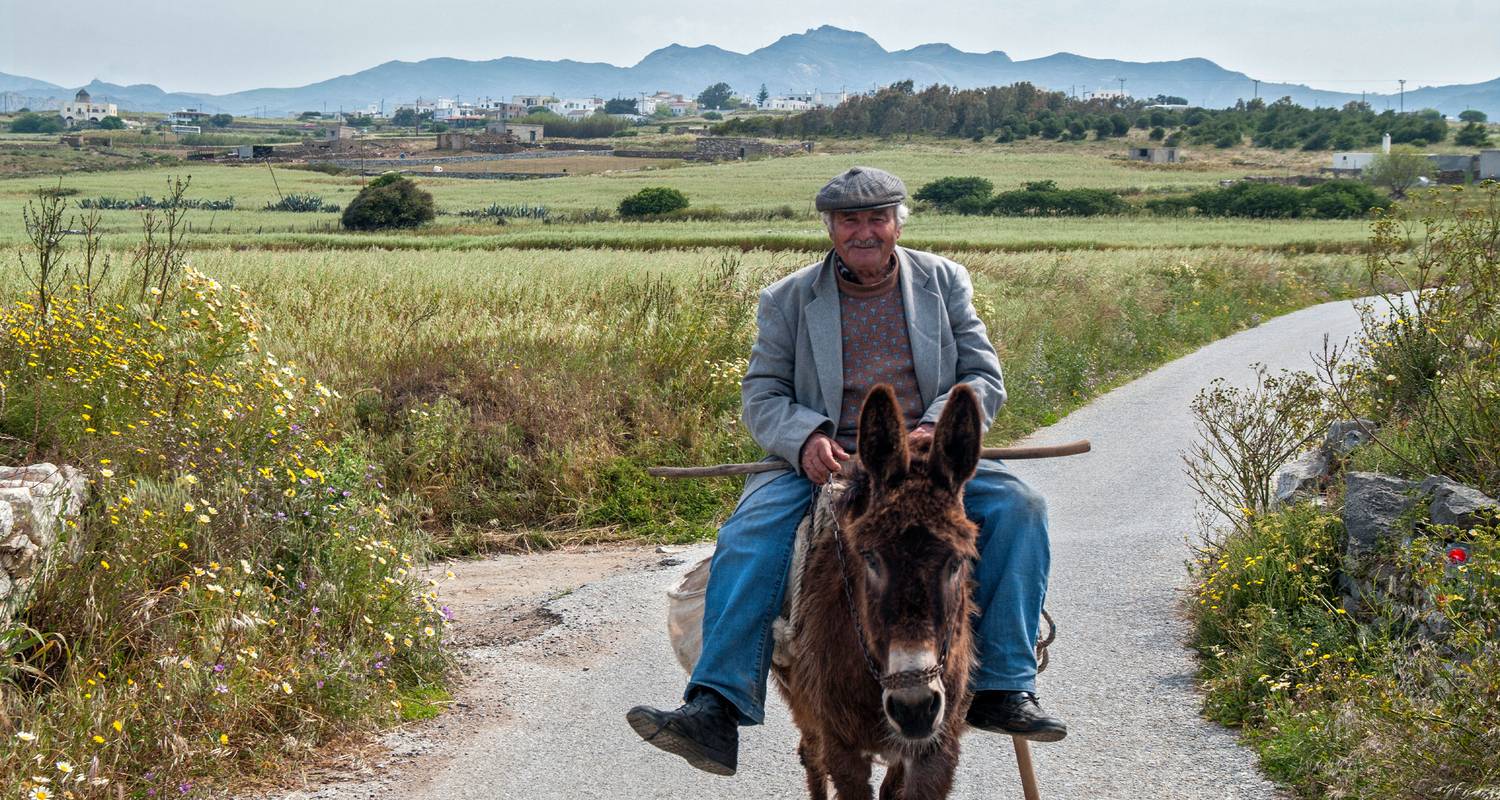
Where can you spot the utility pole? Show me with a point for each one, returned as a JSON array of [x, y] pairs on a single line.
[[1402, 81], [1257, 87], [1122, 88]]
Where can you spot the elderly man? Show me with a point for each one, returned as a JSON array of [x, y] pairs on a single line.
[[869, 313]]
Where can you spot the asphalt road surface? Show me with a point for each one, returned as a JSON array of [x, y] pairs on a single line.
[[542, 712]]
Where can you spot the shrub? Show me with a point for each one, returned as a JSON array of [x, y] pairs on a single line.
[[389, 201], [1399, 169], [1473, 134], [1332, 200], [1473, 115], [31, 122], [1341, 200], [112, 123], [653, 200], [1044, 198], [1264, 200], [1172, 206], [948, 194]]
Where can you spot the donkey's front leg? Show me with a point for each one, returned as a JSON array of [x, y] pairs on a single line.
[[930, 776], [810, 751], [849, 769], [895, 779]]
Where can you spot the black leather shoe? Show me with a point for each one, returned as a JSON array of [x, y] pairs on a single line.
[[705, 731], [1015, 713]]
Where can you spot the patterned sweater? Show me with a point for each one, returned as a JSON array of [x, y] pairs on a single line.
[[877, 349]]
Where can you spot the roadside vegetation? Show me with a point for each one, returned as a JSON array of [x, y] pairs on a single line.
[[238, 589], [1391, 696]]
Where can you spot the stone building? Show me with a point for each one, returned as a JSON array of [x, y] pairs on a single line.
[[1155, 155], [84, 109]]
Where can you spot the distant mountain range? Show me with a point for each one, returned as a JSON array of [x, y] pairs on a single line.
[[826, 58]]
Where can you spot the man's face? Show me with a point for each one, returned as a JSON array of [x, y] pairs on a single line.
[[866, 239]]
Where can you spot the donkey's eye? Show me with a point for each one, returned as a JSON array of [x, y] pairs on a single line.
[[872, 563], [954, 567]]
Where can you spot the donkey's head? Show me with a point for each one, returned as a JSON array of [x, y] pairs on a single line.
[[911, 546]]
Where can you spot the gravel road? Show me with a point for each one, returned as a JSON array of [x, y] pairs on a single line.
[[541, 714]]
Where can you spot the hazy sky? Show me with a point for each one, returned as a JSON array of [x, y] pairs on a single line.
[[215, 46]]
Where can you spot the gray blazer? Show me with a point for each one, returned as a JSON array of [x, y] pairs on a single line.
[[795, 382]]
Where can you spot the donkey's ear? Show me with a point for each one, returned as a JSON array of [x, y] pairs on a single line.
[[882, 438], [955, 441]]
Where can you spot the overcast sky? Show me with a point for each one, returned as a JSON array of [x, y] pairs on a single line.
[[216, 46]]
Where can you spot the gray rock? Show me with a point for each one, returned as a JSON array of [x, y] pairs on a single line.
[[34, 500], [1301, 478], [1373, 504], [1456, 504], [1346, 435]]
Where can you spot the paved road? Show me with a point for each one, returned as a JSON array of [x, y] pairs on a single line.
[[544, 716]]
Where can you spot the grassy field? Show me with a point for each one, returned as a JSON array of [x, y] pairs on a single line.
[[471, 386], [735, 188]]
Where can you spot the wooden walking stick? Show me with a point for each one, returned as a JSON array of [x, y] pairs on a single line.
[[721, 470], [1028, 774]]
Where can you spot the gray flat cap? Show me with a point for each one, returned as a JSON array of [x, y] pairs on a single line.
[[860, 188]]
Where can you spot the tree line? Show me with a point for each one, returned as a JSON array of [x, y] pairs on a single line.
[[1023, 111]]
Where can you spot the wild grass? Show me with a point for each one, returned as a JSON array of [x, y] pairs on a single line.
[[525, 391]]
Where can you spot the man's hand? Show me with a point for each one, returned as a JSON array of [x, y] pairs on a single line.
[[921, 433], [821, 457]]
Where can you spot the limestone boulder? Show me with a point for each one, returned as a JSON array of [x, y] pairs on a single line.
[[1373, 507], [1347, 435], [1456, 504], [1301, 479], [34, 502]]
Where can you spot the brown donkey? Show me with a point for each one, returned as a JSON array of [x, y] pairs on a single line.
[[883, 641]]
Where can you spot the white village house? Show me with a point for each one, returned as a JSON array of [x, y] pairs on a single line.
[[804, 101], [84, 109]]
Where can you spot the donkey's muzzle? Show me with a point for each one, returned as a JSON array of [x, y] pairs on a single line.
[[914, 712]]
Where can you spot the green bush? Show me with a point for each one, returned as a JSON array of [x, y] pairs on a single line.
[[1332, 200], [965, 195], [1043, 198], [1264, 200], [31, 122], [653, 200], [1473, 134], [112, 123], [1341, 200], [389, 201]]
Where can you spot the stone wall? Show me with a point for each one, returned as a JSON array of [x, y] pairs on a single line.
[[728, 148], [34, 501]]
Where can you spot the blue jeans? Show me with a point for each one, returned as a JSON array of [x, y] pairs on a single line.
[[747, 583]]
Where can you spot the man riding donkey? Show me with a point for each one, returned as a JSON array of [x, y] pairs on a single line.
[[869, 313]]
